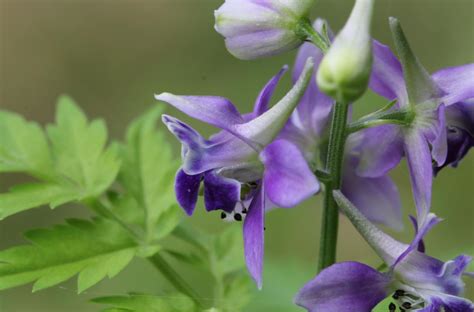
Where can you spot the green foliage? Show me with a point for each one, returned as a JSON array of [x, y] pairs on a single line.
[[147, 303], [71, 162], [147, 175], [221, 255], [94, 249]]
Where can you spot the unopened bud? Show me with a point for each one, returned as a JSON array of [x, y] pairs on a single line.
[[345, 70]]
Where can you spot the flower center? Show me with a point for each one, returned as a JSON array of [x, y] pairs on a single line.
[[406, 301]]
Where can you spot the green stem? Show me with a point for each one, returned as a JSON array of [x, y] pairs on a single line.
[[334, 162], [175, 279], [306, 30]]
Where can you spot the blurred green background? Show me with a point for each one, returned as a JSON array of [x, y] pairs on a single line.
[[113, 55]]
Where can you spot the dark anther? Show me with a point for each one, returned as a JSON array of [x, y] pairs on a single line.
[[406, 305], [392, 307], [398, 293], [264, 228], [223, 215], [238, 217], [244, 211]]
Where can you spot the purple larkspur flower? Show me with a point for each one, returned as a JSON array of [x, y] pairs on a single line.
[[377, 195], [258, 28], [243, 168], [416, 281], [425, 99]]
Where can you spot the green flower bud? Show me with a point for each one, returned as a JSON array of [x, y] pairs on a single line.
[[345, 70]]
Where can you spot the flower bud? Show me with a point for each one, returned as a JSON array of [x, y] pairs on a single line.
[[345, 70], [254, 29]]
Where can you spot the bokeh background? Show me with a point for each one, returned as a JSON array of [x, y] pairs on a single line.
[[113, 55]]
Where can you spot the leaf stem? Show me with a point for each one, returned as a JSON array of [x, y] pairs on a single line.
[[174, 278], [334, 163], [306, 30]]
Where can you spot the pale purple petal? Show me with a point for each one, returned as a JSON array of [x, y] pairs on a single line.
[[380, 148], [344, 287], [431, 122], [187, 190], [263, 100], [220, 192], [421, 174], [456, 82], [253, 232], [214, 110], [377, 198], [421, 245], [288, 179], [387, 75]]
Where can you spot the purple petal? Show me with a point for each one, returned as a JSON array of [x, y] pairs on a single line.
[[214, 110], [457, 304], [344, 287], [421, 245], [253, 232], [263, 99], [421, 175], [220, 192], [187, 190], [456, 82], [380, 148], [377, 198], [288, 179], [433, 127], [387, 74]]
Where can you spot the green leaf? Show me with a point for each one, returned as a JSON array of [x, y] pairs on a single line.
[[24, 147], [147, 174], [148, 303], [94, 249], [237, 293], [383, 305], [77, 166], [227, 250]]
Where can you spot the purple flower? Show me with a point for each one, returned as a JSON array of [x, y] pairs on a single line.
[[460, 133], [415, 280], [424, 98], [258, 28], [242, 167], [376, 195]]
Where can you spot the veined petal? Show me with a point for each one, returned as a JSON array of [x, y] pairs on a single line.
[[200, 155], [288, 179], [214, 110], [187, 190], [421, 174], [380, 150], [344, 287], [387, 75], [220, 192], [253, 232], [263, 99], [263, 129], [456, 82], [420, 86], [377, 198]]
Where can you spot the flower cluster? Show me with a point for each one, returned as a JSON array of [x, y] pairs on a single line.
[[278, 156]]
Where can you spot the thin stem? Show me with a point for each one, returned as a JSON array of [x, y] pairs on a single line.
[[334, 162], [357, 126], [174, 278], [306, 30]]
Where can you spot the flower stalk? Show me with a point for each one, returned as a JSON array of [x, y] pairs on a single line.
[[334, 163]]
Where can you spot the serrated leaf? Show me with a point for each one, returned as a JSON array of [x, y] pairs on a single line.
[[23, 147], [148, 303], [94, 249], [148, 172], [76, 166]]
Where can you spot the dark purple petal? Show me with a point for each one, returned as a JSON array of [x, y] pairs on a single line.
[[253, 232], [214, 110], [387, 75], [456, 304], [344, 287], [187, 190], [380, 148], [288, 179], [220, 192], [421, 174], [263, 100], [377, 198], [456, 82]]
